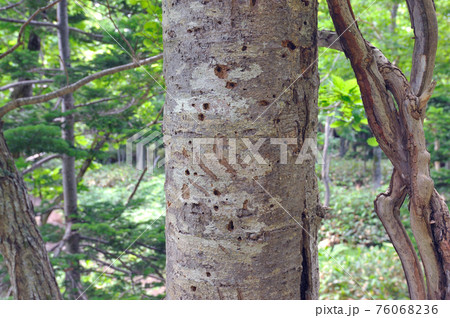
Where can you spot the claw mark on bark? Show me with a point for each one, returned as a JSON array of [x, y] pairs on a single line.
[[207, 171]]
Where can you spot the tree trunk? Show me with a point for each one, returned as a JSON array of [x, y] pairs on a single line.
[[73, 280], [399, 131], [237, 229], [326, 159], [21, 244], [377, 176]]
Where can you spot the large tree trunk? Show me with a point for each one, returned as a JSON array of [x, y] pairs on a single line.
[[240, 230], [21, 245], [73, 280]]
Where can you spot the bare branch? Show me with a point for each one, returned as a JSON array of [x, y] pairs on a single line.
[[14, 104], [44, 81], [12, 5], [97, 101], [24, 25], [39, 163], [94, 36]]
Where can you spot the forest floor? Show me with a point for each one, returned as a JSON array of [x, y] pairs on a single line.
[[357, 261]]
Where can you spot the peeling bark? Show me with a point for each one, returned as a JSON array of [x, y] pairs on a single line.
[[234, 229]]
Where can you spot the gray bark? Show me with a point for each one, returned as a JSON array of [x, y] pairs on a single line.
[[377, 176], [326, 160], [240, 230], [73, 282], [21, 244]]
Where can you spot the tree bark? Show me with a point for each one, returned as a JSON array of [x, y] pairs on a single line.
[[240, 230], [69, 180], [377, 176], [398, 128], [326, 160], [21, 244]]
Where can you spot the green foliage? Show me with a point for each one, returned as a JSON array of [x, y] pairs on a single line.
[[36, 139], [349, 272], [131, 238]]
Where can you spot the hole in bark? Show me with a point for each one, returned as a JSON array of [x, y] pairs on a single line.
[[193, 105], [230, 85], [190, 142], [208, 274], [305, 23], [221, 71], [252, 3], [205, 106], [219, 22], [283, 55], [244, 48], [291, 46], [195, 173], [193, 288], [271, 206], [187, 172], [263, 103], [201, 117], [216, 208], [230, 226], [216, 192], [305, 2], [239, 238], [274, 96]]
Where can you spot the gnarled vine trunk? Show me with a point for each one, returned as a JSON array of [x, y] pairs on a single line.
[[240, 69], [398, 128]]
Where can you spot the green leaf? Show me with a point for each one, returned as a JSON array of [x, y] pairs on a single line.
[[372, 142]]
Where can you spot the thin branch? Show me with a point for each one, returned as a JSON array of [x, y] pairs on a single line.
[[97, 101], [157, 117], [94, 36], [14, 104], [24, 25], [95, 147], [40, 163], [136, 187], [29, 82], [12, 5]]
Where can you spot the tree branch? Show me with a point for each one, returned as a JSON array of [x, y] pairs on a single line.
[[24, 25], [29, 82], [40, 163], [95, 36], [424, 22], [12, 5], [14, 104]]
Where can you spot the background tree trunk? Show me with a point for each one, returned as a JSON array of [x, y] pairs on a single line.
[[245, 230], [73, 283], [377, 176], [328, 134], [21, 244]]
